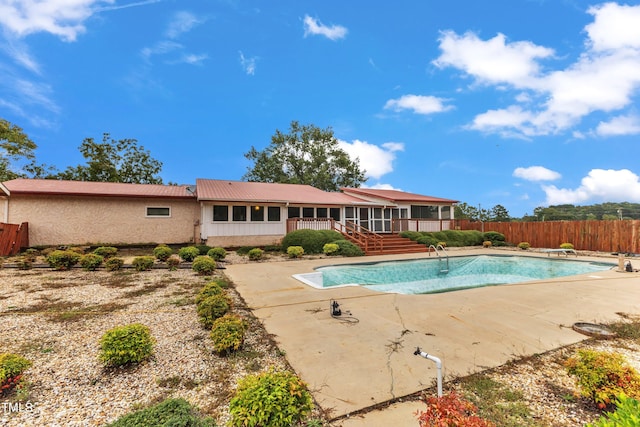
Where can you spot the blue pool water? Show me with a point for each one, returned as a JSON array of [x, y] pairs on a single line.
[[431, 275]]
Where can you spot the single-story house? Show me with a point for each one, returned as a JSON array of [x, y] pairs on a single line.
[[215, 212]]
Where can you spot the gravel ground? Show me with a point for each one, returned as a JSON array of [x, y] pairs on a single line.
[[55, 319]]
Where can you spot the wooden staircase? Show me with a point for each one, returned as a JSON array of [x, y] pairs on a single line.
[[378, 244], [394, 244]]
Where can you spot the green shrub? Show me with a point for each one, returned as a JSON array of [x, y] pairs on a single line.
[[602, 376], [348, 248], [162, 252], [106, 252], [188, 253], [295, 251], [212, 308], [412, 235], [30, 254], [210, 289], [227, 333], [496, 239], [255, 254], [472, 237], [127, 344], [272, 398], [273, 248], [566, 246], [486, 244], [330, 249], [217, 253], [244, 250], [11, 368], [204, 265], [427, 240], [627, 414], [524, 245], [143, 263], [450, 410], [63, 260], [114, 264], [203, 249], [91, 262], [168, 413], [311, 240], [173, 262]]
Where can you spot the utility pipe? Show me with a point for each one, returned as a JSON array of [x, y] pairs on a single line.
[[438, 362]]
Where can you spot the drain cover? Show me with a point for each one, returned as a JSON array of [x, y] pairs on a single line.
[[593, 330]]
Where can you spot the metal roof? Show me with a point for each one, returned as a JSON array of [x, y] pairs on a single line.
[[396, 195]]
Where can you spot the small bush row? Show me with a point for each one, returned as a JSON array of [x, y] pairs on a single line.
[[456, 238]]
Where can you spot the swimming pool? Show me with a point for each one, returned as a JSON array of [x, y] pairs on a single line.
[[439, 275]]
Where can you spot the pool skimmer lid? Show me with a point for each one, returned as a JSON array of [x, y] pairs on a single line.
[[593, 330]]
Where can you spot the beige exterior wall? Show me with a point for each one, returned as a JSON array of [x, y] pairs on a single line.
[[92, 220], [238, 241]]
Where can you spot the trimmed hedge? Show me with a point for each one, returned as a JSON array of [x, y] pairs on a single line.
[[168, 413], [311, 241]]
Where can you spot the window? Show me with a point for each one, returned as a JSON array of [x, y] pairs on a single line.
[[321, 212], [221, 213], [335, 213], [239, 213], [424, 212], [293, 212], [273, 213], [446, 212], [257, 213], [307, 212], [158, 212]]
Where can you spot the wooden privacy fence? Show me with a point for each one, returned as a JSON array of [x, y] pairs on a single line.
[[13, 237], [604, 236]]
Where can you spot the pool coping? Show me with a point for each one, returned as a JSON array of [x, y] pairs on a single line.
[[350, 367]]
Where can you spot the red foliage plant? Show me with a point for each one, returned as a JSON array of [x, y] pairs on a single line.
[[450, 410]]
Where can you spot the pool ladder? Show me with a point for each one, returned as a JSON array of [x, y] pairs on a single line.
[[437, 250]]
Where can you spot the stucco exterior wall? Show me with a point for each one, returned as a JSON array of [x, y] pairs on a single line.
[[58, 220], [238, 241]]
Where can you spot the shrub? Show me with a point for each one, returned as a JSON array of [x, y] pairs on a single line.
[[255, 254], [127, 344], [30, 254], [524, 245], [443, 244], [472, 237], [217, 253], [91, 262], [162, 252], [566, 246], [227, 333], [450, 410], [427, 240], [188, 253], [203, 249], [272, 398], [210, 289], [348, 248], [413, 235], [497, 239], [330, 249], [244, 250], [143, 263], [486, 244], [295, 251], [170, 412], [106, 252], [602, 376], [113, 264], [173, 262], [311, 240], [626, 414], [63, 260], [212, 308], [204, 265], [11, 368]]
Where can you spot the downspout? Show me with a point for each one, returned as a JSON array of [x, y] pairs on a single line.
[[438, 363]]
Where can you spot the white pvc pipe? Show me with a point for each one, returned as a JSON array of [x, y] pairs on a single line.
[[438, 363]]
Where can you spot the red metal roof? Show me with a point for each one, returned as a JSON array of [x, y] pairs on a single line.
[[395, 195], [87, 188], [213, 189]]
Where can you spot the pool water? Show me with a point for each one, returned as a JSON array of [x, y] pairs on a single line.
[[437, 275]]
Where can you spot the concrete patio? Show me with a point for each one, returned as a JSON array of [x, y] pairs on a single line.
[[366, 357]]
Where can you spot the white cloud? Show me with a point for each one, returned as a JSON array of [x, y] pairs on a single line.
[[621, 125], [418, 103], [536, 173], [381, 186], [248, 64], [172, 51], [375, 160], [598, 186], [603, 79], [315, 27], [182, 22]]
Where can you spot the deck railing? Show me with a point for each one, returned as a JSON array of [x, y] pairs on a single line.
[[405, 224], [368, 240]]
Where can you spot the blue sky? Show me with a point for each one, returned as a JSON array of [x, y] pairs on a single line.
[[521, 103]]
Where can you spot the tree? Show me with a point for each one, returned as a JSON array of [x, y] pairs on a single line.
[[499, 214], [114, 161], [15, 145], [305, 155]]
